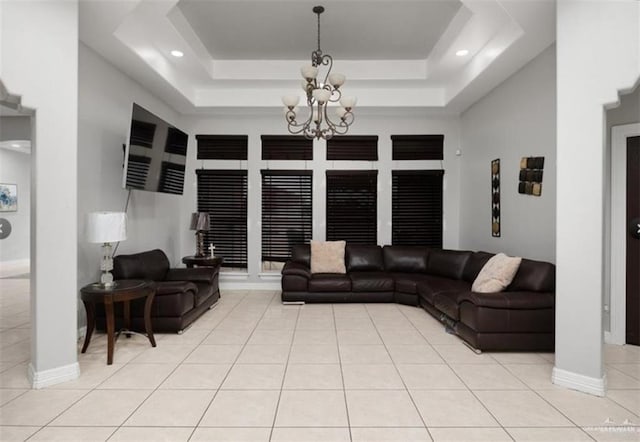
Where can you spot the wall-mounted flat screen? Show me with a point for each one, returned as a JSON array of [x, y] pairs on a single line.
[[155, 155]]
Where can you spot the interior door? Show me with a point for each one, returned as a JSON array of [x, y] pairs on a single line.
[[633, 241]]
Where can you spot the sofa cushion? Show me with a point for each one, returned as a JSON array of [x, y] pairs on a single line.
[[406, 259], [360, 258], [447, 263], [496, 274], [301, 253], [509, 300], [436, 284], [329, 282], [537, 276], [327, 256], [476, 261], [152, 265], [506, 321], [408, 282], [371, 282]]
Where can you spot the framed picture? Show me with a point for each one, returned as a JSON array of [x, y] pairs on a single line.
[[8, 197]]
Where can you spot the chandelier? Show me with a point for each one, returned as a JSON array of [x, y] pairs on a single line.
[[320, 91]]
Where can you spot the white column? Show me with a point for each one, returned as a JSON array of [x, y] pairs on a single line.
[[597, 55]]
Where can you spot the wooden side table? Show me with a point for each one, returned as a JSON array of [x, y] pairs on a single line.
[[123, 291], [204, 261]]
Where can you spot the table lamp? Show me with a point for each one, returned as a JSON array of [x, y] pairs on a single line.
[[106, 228], [200, 223]]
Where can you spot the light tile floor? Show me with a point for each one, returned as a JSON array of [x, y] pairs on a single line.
[[253, 369]]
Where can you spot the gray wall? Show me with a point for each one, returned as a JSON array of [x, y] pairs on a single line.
[[517, 119], [15, 168], [15, 128], [106, 96]]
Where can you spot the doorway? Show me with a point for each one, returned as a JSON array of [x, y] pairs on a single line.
[[625, 247], [633, 242]]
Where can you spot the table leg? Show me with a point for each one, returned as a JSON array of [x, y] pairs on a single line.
[[108, 308], [147, 319], [91, 323], [127, 317]]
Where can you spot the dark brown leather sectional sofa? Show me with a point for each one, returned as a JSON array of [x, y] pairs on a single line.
[[182, 295], [520, 318]]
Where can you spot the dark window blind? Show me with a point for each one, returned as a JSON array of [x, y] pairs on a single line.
[[137, 171], [416, 207], [222, 147], [417, 147], [353, 147], [286, 147], [171, 178], [223, 194], [176, 141], [352, 197], [286, 212]]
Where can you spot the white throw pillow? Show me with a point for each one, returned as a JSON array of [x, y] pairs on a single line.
[[328, 257], [497, 274]]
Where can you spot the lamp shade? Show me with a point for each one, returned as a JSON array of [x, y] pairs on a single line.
[[199, 221], [106, 227]]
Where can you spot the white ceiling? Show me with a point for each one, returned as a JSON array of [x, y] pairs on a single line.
[[247, 53]]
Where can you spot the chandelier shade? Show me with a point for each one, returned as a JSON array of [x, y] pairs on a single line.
[[321, 88]]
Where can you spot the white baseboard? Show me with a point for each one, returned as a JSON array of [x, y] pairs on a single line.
[[53, 376], [575, 381], [244, 285]]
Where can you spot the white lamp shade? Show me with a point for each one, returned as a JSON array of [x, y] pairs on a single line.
[[291, 100], [337, 79], [348, 102], [103, 227], [340, 111], [309, 72], [322, 95]]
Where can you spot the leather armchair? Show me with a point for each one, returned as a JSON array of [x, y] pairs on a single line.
[[182, 295]]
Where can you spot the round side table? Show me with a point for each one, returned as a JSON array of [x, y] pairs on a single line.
[[202, 261], [123, 291]]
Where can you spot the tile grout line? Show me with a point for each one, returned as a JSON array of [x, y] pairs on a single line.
[[344, 389], [286, 367]]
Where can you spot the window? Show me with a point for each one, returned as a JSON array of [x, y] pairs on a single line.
[[354, 147], [222, 147], [223, 194], [417, 147], [286, 147], [416, 213], [286, 214], [352, 197]]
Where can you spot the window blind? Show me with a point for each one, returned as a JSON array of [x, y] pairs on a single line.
[[223, 194], [352, 197], [417, 147], [353, 147], [286, 147], [142, 133], [222, 147], [176, 141], [137, 171], [286, 212], [416, 207]]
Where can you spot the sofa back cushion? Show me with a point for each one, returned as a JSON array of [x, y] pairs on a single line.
[[301, 253], [407, 259], [152, 265], [476, 261], [535, 276], [447, 263], [360, 257]]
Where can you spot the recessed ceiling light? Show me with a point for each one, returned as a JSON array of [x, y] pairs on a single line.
[[462, 52], [177, 53]]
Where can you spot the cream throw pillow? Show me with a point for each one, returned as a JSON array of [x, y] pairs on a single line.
[[328, 257], [497, 274]]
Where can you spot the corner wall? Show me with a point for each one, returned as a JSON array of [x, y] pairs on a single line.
[[516, 119]]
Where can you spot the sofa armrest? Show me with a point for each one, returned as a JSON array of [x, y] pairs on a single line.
[[171, 287], [196, 274], [510, 300], [295, 268]]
